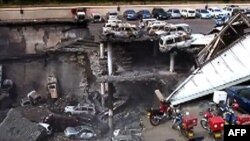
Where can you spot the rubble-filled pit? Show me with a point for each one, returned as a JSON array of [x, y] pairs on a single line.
[[78, 72]]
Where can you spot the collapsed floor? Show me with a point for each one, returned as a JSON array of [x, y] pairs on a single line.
[[78, 74]]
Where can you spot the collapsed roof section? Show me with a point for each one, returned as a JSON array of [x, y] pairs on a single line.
[[235, 28], [221, 64]]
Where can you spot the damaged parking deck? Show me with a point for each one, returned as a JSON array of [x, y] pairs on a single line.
[[87, 70]]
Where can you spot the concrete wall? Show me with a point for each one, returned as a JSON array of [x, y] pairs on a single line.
[[20, 40]]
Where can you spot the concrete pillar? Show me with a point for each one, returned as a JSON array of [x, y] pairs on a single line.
[[110, 107], [101, 50], [103, 92], [172, 60], [110, 62]]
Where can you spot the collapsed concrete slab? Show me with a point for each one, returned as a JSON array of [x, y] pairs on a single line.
[[221, 64], [16, 127]]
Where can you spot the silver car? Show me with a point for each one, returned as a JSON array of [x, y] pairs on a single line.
[[80, 132], [80, 109], [174, 13]]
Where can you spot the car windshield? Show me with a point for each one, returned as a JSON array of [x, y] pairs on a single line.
[[97, 17], [191, 11], [113, 14], [145, 12], [160, 10], [131, 12], [204, 11], [176, 11], [217, 10]]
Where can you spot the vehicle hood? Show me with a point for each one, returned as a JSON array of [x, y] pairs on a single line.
[[160, 32], [131, 15], [69, 107]]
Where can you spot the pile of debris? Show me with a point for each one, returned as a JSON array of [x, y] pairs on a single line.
[[17, 127]]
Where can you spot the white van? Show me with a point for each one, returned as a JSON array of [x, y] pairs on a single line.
[[188, 13]]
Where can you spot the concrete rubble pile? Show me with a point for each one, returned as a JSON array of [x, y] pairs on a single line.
[[17, 127]]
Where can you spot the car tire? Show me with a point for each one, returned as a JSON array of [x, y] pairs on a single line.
[[69, 114], [72, 137], [157, 17]]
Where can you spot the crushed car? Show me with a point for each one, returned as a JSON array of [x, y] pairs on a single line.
[[80, 132], [80, 109], [110, 25], [52, 87], [45, 127], [179, 40], [123, 31], [34, 97]]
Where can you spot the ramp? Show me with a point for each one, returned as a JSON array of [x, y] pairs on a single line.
[[222, 63]]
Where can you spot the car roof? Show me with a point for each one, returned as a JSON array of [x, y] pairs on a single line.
[[112, 12], [144, 10], [187, 9], [157, 8], [130, 10], [214, 7]]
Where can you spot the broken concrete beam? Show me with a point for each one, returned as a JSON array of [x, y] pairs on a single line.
[[159, 95], [15, 127]]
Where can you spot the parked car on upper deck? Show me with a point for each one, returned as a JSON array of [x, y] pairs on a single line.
[[246, 11], [174, 13], [129, 14], [203, 14], [188, 13], [122, 32], [240, 94], [215, 11], [160, 14], [80, 132], [231, 10], [143, 14], [112, 15], [80, 109], [96, 18]]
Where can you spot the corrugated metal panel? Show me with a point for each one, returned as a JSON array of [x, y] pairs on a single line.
[[229, 68]]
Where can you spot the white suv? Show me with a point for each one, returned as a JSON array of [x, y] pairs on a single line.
[[216, 12], [80, 109], [188, 13]]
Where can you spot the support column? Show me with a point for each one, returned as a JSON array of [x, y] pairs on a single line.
[[103, 93], [172, 62], [110, 62], [101, 50], [110, 106]]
